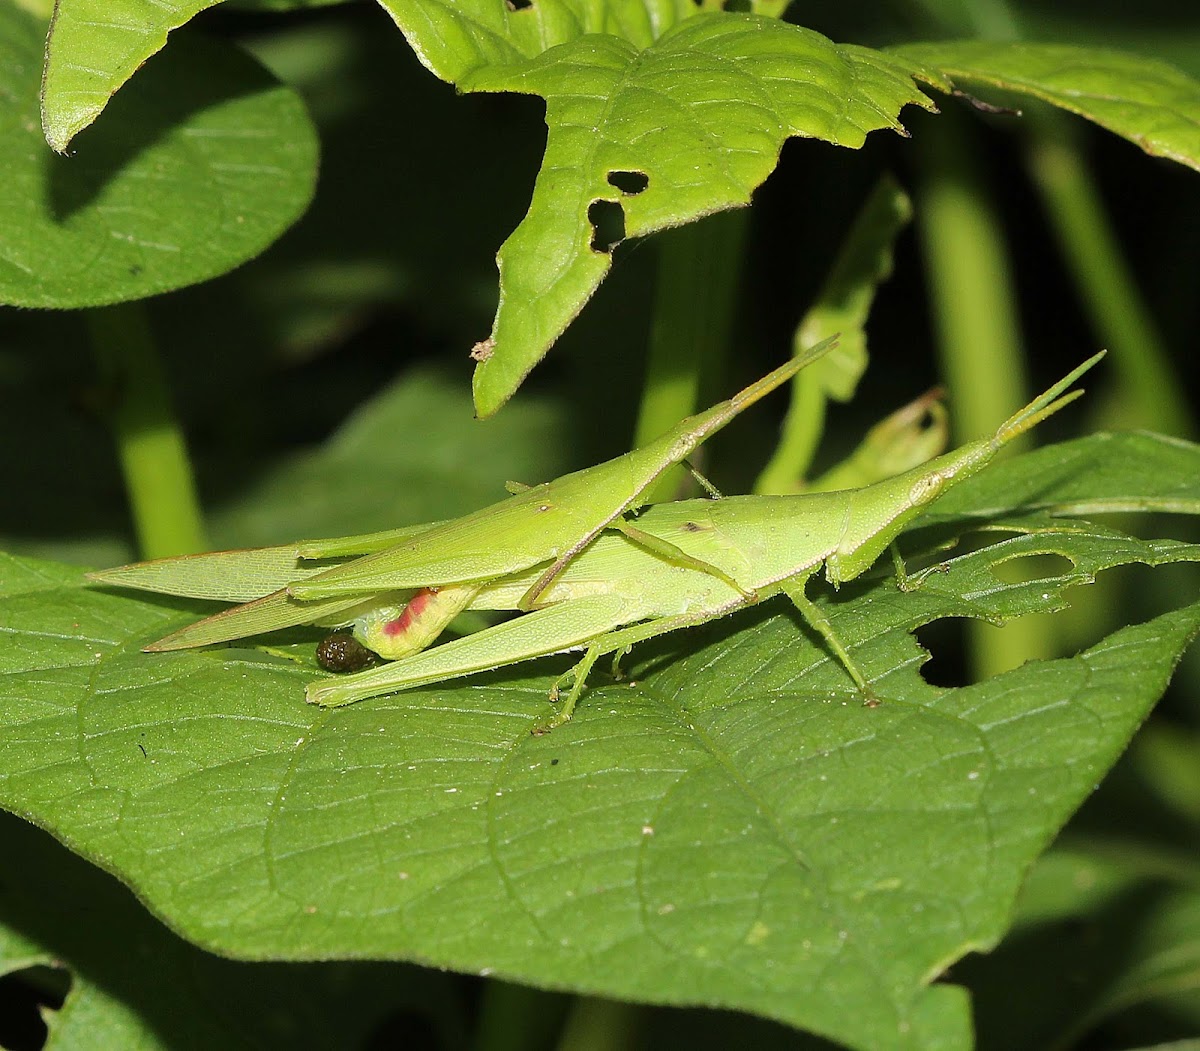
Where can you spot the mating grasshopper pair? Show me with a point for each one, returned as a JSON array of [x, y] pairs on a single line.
[[585, 573]]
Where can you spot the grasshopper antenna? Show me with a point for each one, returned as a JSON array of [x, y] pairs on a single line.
[[1045, 404]]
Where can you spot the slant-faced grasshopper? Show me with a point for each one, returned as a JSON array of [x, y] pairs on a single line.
[[674, 565], [545, 525], [631, 586]]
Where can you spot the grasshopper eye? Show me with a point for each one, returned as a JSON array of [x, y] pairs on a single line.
[[342, 652], [926, 489]]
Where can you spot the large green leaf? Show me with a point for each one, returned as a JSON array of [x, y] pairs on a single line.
[[1146, 101], [731, 828], [199, 166]]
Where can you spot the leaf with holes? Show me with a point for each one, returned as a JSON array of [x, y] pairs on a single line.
[[657, 114], [204, 162], [729, 828], [644, 138]]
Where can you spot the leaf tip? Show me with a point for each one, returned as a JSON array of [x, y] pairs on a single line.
[[495, 380], [58, 127]]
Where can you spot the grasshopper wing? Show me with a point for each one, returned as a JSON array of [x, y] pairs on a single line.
[[551, 522]]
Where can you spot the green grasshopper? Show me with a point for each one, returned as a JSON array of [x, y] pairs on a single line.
[[643, 582], [545, 525], [672, 566]]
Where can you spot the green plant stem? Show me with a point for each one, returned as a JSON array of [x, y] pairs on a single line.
[[154, 461], [698, 269], [973, 301], [600, 1025], [1151, 392], [975, 315], [841, 308], [802, 429]]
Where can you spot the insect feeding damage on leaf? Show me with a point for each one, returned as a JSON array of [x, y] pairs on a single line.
[[608, 225], [630, 183]]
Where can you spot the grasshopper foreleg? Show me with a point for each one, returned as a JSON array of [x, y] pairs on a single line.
[[669, 552], [793, 587], [620, 642], [903, 581], [713, 492]]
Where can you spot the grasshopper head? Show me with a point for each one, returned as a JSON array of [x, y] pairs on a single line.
[[877, 514]]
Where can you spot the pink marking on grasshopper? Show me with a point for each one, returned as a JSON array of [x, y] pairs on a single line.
[[412, 612]]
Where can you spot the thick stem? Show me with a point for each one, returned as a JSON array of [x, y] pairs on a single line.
[[971, 289], [975, 315], [801, 434], [1151, 392], [694, 304], [989, 19], [154, 461]]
